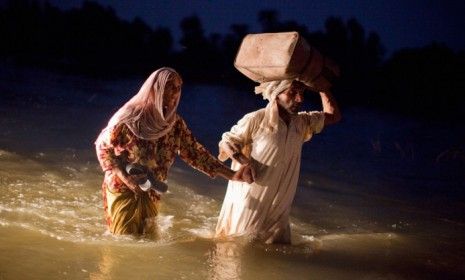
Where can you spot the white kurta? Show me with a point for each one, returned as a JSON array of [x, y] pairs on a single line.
[[261, 209]]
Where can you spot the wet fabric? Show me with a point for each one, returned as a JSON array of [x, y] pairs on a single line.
[[261, 209], [130, 214]]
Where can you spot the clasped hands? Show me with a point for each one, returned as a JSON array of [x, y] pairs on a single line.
[[245, 173]]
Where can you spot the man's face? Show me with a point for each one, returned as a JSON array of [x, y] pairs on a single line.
[[292, 98]]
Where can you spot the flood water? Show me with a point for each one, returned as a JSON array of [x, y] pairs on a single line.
[[380, 196]]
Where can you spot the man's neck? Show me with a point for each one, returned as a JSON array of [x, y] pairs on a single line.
[[284, 115]]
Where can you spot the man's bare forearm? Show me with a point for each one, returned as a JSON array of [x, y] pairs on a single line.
[[330, 108]]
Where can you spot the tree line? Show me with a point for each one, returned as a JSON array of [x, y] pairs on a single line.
[[424, 82]]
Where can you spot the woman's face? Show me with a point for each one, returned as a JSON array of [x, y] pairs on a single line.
[[171, 95]]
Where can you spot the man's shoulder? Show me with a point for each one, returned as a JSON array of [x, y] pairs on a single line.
[[258, 114]]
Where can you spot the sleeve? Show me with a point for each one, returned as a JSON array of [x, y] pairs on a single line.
[[110, 144], [240, 134], [195, 154], [311, 123]]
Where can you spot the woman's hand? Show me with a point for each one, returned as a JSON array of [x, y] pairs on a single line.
[[131, 181], [230, 148], [244, 174], [241, 158]]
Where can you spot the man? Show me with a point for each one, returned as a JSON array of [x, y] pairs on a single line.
[[270, 140]]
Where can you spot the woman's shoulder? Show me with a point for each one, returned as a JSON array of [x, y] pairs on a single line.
[[180, 124], [121, 133], [120, 128], [179, 120]]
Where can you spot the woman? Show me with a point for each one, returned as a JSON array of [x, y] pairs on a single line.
[[148, 131]]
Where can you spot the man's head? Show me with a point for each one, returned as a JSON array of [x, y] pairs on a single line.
[[291, 99]]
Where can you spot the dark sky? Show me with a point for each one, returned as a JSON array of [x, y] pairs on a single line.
[[408, 23]]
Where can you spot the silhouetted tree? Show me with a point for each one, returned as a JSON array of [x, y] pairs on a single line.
[[425, 82], [195, 48], [229, 48], [269, 20], [91, 39]]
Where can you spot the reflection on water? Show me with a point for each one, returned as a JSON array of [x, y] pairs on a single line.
[[63, 201], [225, 260], [53, 201], [106, 265], [58, 201]]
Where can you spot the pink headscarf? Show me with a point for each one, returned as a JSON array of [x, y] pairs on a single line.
[[143, 113]]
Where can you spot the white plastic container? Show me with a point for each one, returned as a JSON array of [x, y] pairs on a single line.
[[266, 57]]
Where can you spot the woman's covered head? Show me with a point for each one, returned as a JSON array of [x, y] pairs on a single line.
[[152, 111], [167, 85]]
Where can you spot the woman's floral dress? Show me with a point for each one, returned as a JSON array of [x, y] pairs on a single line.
[[125, 212]]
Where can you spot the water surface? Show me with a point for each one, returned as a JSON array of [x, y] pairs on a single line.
[[380, 196]]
